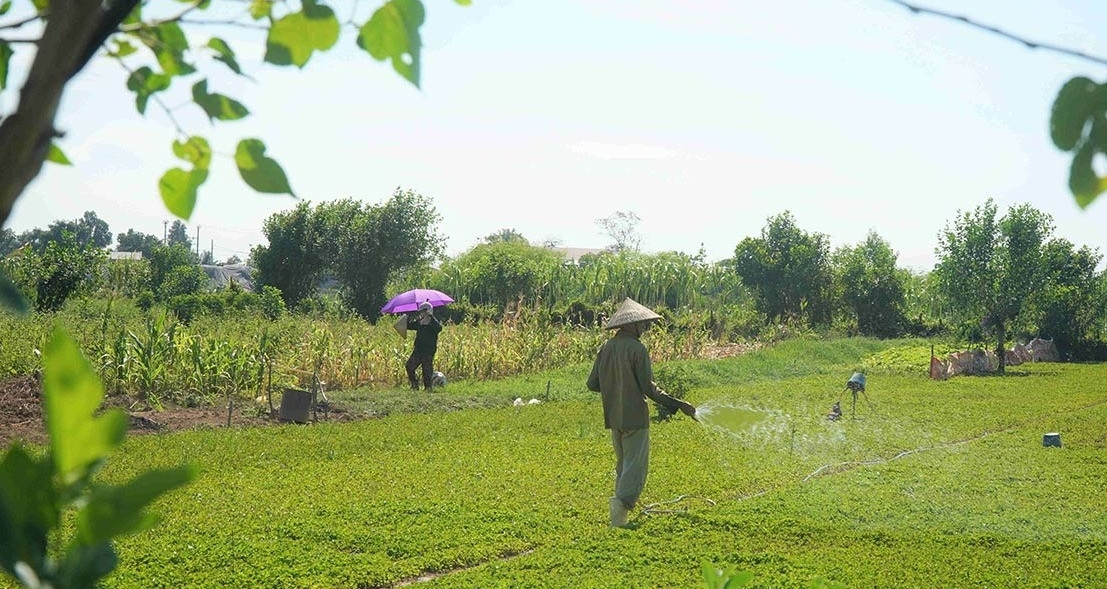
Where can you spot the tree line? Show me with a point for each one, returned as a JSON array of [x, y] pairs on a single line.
[[999, 277]]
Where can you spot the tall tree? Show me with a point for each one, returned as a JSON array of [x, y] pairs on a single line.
[[9, 241], [505, 235], [363, 246], [622, 228], [89, 230], [178, 235], [1069, 307], [989, 268], [871, 286], [292, 262], [788, 269], [380, 241], [135, 241]]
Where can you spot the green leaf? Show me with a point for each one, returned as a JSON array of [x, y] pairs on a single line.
[[294, 37], [28, 508], [41, 5], [5, 6], [258, 171], [224, 54], [114, 511], [84, 565], [169, 44], [178, 187], [10, 296], [135, 17], [6, 53], [123, 48], [1077, 100], [393, 33], [71, 393], [1084, 183], [217, 106], [144, 83], [260, 9], [57, 156], [464, 2]]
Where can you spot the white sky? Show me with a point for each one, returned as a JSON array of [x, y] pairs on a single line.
[[703, 117]]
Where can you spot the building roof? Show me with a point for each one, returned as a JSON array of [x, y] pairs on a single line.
[[573, 254]]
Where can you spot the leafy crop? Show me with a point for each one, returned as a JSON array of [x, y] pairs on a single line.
[[38, 491], [933, 483]]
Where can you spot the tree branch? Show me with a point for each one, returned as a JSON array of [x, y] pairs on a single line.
[[25, 136], [1029, 44], [19, 23], [143, 25]]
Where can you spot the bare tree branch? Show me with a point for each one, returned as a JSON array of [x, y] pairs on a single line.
[[19, 23], [1028, 43]]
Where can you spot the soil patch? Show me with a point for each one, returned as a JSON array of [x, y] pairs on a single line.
[[21, 414]]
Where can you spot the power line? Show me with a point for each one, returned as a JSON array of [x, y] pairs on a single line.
[[1028, 43]]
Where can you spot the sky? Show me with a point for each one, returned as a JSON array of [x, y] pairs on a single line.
[[704, 118]]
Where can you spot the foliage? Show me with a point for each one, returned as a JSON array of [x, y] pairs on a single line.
[[1077, 125], [185, 279], [361, 246], [171, 270], [62, 270], [40, 492], [89, 231], [369, 244], [788, 269], [157, 48], [9, 242], [988, 269], [127, 277], [502, 273], [293, 261], [136, 241], [622, 228], [505, 234], [944, 483], [178, 235], [871, 287], [1068, 308]]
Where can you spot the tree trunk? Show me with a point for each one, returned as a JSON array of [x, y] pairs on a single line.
[[72, 30], [1001, 339]]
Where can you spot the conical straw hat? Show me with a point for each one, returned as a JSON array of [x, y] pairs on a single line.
[[630, 312]]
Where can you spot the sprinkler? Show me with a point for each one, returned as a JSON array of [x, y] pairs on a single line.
[[855, 385]]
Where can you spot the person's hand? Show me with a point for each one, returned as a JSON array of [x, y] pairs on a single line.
[[689, 410]]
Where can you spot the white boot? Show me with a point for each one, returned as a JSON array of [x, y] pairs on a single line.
[[618, 512]]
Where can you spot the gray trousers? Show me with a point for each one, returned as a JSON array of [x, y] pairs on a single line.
[[632, 461]]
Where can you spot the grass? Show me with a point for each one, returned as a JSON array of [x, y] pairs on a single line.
[[931, 483]]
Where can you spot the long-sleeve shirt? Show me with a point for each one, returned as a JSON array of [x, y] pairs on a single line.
[[623, 375], [426, 336]]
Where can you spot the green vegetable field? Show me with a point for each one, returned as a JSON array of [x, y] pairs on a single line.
[[925, 484]]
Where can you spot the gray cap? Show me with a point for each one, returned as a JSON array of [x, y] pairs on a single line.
[[630, 312]]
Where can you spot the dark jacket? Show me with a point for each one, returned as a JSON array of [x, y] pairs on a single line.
[[426, 336]]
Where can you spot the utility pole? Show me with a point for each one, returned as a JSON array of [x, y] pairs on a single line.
[[197, 241], [165, 233]]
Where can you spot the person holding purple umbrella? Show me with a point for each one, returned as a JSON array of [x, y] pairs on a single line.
[[426, 327]]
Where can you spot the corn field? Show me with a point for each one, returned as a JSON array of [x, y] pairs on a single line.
[[158, 360]]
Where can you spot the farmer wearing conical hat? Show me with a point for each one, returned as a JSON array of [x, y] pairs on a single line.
[[623, 375]]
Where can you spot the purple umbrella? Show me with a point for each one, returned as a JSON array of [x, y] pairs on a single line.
[[409, 301]]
